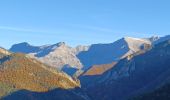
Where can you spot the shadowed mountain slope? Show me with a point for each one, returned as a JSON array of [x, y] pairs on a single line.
[[107, 53], [158, 94], [56, 94], [139, 74]]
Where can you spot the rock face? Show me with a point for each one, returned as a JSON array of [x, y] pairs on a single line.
[[20, 72], [57, 55], [129, 77], [107, 53], [61, 56], [80, 48]]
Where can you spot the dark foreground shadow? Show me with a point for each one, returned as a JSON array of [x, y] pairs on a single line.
[[57, 94]]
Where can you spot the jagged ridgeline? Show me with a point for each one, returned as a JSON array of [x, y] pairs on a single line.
[[20, 72]]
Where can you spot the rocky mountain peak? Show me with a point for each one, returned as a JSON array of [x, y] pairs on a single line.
[[61, 44], [154, 38]]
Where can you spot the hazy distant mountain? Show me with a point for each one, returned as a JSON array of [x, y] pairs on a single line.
[[139, 74], [107, 53], [24, 48]]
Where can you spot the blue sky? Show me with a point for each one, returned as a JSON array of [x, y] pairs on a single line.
[[81, 21]]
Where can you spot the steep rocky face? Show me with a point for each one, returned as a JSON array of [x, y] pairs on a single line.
[[107, 53], [57, 55], [80, 48], [61, 56], [20, 72], [142, 73]]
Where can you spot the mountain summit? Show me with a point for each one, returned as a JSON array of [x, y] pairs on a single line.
[[107, 53], [58, 55]]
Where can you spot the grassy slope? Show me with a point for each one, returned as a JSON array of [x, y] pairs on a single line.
[[20, 72]]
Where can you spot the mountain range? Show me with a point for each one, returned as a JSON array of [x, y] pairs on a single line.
[[66, 58], [129, 68]]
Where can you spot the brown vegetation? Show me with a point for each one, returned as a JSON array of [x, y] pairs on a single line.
[[21, 72], [99, 69]]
